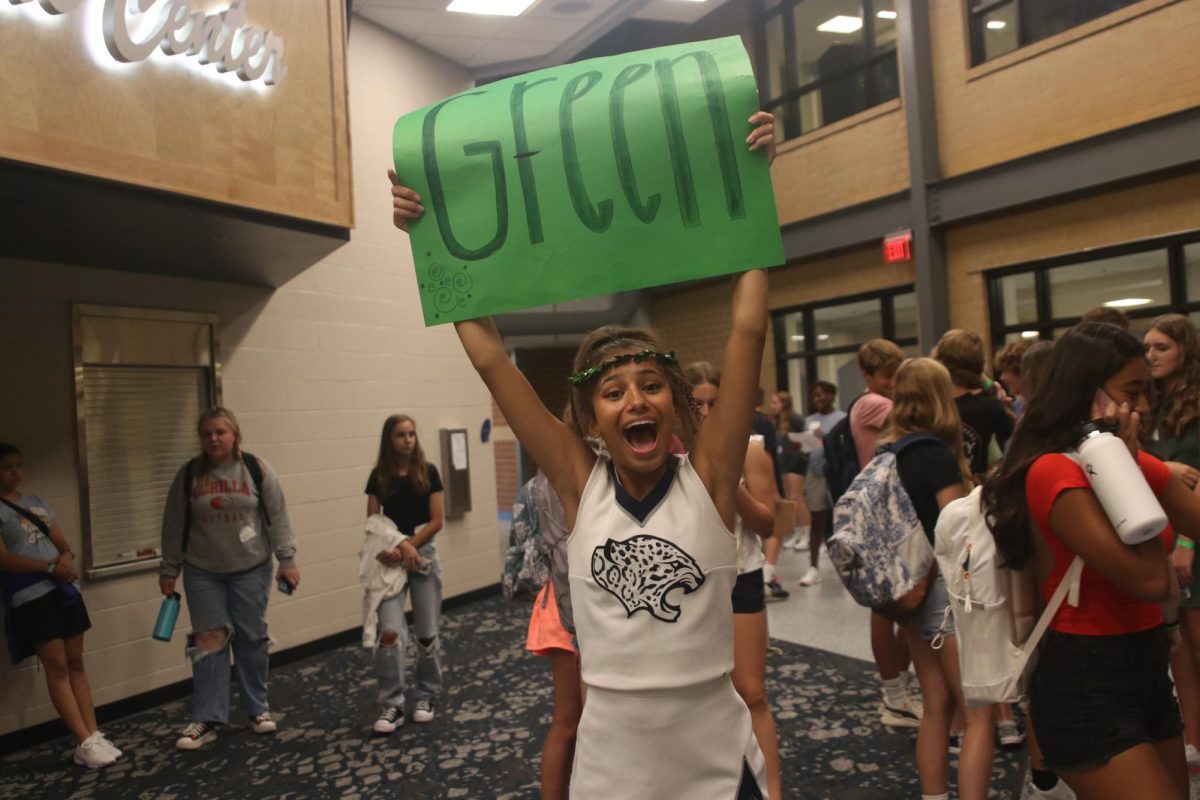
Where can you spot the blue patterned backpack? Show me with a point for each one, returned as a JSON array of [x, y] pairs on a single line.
[[525, 568], [878, 547]]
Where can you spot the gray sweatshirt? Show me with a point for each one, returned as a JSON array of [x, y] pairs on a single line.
[[227, 527]]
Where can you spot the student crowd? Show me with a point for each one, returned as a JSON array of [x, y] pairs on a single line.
[[679, 491]]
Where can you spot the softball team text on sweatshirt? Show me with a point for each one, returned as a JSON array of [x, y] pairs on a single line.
[[227, 526]]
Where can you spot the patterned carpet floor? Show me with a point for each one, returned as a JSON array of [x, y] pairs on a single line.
[[486, 741]]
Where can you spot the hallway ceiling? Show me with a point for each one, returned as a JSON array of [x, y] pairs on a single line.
[[549, 33]]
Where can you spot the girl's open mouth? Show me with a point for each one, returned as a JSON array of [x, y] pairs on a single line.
[[642, 436]]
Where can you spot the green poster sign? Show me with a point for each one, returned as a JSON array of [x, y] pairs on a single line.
[[608, 175]]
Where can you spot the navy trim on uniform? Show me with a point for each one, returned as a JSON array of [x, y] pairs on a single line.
[[748, 789], [641, 510]]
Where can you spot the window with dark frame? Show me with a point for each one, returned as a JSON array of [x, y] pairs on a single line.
[[820, 341], [1143, 279], [1001, 26], [824, 60]]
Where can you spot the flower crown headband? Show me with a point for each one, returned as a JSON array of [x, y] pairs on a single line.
[[585, 375]]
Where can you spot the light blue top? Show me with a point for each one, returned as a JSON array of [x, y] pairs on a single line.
[[22, 538], [819, 425]]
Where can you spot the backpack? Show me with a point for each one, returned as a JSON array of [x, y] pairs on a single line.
[[841, 456], [525, 568], [994, 607], [253, 466], [878, 547]]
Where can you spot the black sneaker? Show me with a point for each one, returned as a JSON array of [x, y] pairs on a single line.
[[775, 590], [196, 735], [390, 718], [424, 710]]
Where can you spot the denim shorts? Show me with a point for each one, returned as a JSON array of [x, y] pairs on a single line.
[[1093, 697], [934, 617]]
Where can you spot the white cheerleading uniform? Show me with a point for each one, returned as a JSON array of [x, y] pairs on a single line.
[[650, 584], [750, 556]]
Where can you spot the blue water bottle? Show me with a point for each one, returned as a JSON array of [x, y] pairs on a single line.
[[168, 612]]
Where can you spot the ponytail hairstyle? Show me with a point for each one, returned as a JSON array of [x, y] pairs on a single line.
[[387, 465], [1079, 364], [923, 402], [1179, 407], [595, 349], [203, 474]]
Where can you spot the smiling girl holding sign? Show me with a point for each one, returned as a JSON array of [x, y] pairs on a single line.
[[651, 556]]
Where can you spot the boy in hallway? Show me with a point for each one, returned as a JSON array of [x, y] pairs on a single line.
[[878, 360]]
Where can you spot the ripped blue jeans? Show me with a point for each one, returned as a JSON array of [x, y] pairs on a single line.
[[235, 602], [389, 659]]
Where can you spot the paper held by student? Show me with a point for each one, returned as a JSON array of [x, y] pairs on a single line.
[[608, 175]]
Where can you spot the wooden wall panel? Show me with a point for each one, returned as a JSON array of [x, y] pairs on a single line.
[[169, 123]]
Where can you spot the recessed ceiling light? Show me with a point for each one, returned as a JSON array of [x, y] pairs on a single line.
[[886, 15], [1129, 302], [1029, 334], [821, 337], [797, 338], [996, 25], [497, 8], [840, 24]]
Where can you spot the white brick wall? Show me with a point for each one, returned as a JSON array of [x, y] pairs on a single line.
[[312, 369]]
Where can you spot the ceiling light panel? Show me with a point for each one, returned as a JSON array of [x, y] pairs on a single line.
[[841, 24], [495, 8]]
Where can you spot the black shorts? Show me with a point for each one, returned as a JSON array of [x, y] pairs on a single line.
[[43, 620], [749, 595], [1096, 696]]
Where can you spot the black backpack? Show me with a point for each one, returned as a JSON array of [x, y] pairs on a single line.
[[253, 466], [841, 456]]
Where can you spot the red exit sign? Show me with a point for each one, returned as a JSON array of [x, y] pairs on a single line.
[[897, 247]]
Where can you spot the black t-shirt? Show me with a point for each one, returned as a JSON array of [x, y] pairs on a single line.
[[983, 418], [402, 504], [762, 426], [925, 469]]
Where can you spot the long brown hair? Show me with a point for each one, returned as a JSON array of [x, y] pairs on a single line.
[[387, 465], [923, 402], [783, 420], [1080, 362], [203, 474], [1177, 408], [594, 349]]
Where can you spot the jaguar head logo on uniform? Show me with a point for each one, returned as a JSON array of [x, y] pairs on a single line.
[[642, 570]]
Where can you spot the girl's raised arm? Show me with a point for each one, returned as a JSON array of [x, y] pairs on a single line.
[[558, 450], [720, 448]]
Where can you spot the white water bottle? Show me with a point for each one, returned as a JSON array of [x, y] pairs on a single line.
[[1120, 486]]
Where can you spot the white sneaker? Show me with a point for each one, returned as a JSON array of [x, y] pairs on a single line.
[[91, 753], [263, 723], [906, 716], [1008, 733], [424, 710], [1060, 792], [196, 735], [810, 577], [109, 746], [390, 718]]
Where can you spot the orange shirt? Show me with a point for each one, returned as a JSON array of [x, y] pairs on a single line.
[[1104, 609]]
